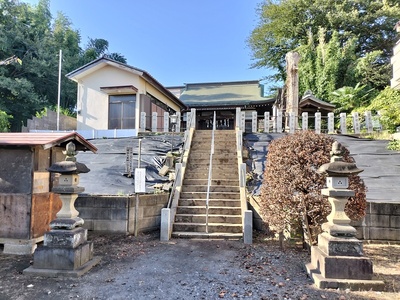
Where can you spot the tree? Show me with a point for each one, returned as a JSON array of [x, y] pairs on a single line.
[[291, 197], [349, 98], [30, 33], [387, 104], [99, 47], [4, 121], [285, 25]]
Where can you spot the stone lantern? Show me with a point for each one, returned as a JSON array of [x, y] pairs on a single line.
[[338, 260], [66, 250]]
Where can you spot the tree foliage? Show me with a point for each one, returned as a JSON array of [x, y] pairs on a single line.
[[387, 104], [99, 47], [349, 98], [31, 34], [363, 27], [4, 121], [291, 192]]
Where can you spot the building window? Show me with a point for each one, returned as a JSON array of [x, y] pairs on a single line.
[[122, 112]]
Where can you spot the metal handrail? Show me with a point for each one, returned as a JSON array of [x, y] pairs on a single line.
[[186, 141], [171, 195], [210, 170]]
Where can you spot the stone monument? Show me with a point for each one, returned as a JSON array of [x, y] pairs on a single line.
[[66, 250], [338, 260]]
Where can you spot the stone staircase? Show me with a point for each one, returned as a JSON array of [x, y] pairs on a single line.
[[224, 214]]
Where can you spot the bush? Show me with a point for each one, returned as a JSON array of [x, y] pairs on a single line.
[[4, 121], [291, 197]]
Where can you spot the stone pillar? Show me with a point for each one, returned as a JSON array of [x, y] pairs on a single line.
[[266, 122], [338, 261], [279, 121], [292, 122], [66, 250], [368, 122], [318, 122], [254, 121], [292, 83], [166, 121], [154, 121], [343, 125], [142, 127], [304, 120], [356, 123], [331, 123]]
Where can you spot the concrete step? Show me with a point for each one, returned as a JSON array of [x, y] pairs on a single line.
[[213, 188], [215, 167], [206, 155], [201, 218], [216, 164], [212, 227], [212, 210], [221, 182], [227, 174], [212, 195], [211, 202], [203, 235], [206, 146]]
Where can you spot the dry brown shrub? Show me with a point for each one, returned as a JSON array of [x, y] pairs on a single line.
[[291, 197]]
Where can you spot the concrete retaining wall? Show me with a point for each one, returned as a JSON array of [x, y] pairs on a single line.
[[382, 222], [118, 213]]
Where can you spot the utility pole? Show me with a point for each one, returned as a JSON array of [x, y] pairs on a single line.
[[59, 91]]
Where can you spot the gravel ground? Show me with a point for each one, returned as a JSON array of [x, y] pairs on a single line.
[[144, 268]]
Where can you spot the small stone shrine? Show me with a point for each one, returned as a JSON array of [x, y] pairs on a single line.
[[338, 260], [66, 250]]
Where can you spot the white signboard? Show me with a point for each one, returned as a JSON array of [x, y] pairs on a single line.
[[140, 180]]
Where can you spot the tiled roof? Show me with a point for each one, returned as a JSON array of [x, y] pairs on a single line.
[[223, 94], [46, 140]]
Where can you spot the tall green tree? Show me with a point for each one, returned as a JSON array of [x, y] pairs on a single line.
[[326, 66], [99, 47], [284, 25], [31, 34]]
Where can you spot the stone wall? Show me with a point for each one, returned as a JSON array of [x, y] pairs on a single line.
[[117, 213], [382, 222], [49, 122]]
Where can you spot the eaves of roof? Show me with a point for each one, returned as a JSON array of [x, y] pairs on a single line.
[[45, 140], [98, 63]]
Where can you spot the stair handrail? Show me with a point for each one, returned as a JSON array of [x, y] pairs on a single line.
[[187, 141], [210, 169], [247, 215]]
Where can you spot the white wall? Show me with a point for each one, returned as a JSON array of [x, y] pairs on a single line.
[[93, 114]]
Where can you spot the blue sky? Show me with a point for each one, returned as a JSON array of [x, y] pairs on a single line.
[[176, 41]]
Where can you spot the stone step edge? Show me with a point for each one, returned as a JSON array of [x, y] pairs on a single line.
[[213, 207], [212, 199], [209, 224], [203, 215], [204, 235]]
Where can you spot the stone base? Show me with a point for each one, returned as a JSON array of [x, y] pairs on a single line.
[[344, 272], [65, 252], [63, 258], [352, 284], [32, 270], [20, 246], [341, 267], [340, 246]]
